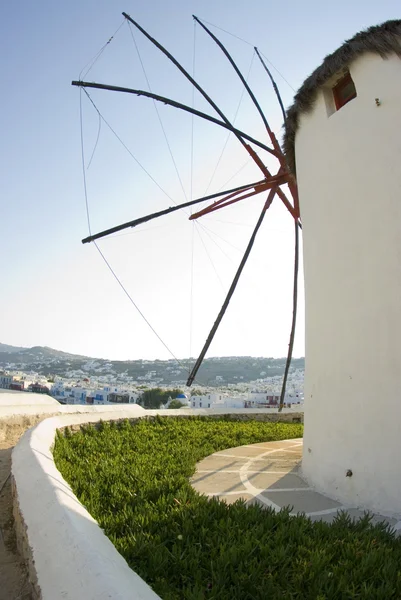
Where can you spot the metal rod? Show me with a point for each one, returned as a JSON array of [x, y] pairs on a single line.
[[292, 183], [213, 208], [168, 101], [298, 226], [166, 211], [227, 202], [232, 288], [294, 318], [272, 136], [274, 84], [184, 72], [242, 78]]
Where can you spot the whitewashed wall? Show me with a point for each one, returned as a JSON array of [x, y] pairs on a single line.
[[349, 176]]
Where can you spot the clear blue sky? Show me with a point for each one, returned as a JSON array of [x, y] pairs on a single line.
[[57, 292]]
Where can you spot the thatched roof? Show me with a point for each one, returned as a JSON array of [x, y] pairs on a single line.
[[382, 39]]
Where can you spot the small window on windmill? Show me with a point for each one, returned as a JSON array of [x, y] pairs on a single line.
[[344, 91]]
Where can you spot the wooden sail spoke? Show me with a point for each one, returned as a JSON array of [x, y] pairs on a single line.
[[179, 105], [269, 183], [191, 79], [166, 211], [228, 197], [233, 286]]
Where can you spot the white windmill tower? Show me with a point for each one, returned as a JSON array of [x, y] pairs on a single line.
[[343, 140], [341, 174]]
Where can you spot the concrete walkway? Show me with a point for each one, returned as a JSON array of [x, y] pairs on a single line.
[[268, 473], [14, 582]]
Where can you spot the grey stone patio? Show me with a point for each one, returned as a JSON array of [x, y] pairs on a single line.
[[269, 473]]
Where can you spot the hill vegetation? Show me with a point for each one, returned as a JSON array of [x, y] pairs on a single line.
[[134, 479], [213, 372]]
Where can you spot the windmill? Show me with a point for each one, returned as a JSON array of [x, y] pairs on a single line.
[[271, 182]]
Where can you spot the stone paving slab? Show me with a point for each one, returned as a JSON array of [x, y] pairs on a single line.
[[216, 463], [275, 481], [268, 473], [302, 501], [231, 498], [219, 482], [276, 463], [245, 452]]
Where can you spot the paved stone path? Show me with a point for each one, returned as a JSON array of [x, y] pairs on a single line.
[[14, 583], [268, 473]]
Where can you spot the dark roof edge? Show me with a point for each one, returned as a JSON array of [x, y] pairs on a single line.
[[381, 39]]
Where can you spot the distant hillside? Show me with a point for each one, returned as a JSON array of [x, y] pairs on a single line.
[[7, 348], [213, 372], [33, 355]]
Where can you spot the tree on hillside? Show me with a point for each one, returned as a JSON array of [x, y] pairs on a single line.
[[155, 397], [151, 398], [175, 404]]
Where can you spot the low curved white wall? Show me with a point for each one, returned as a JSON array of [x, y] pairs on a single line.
[[349, 178], [67, 553], [17, 398]]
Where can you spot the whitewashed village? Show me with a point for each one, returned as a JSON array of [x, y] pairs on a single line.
[[81, 389], [131, 512]]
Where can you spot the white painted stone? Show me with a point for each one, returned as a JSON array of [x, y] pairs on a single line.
[[349, 177], [69, 553], [14, 398]]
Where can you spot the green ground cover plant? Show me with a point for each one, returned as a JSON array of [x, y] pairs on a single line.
[[133, 477]]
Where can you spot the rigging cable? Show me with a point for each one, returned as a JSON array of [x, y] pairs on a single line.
[[209, 257], [157, 112], [292, 189], [277, 92], [223, 123], [206, 229], [126, 147], [294, 318], [246, 164], [192, 116], [233, 122], [244, 82], [233, 286], [90, 66], [227, 123], [191, 293], [103, 256], [134, 304], [99, 127], [253, 282], [240, 323], [246, 276], [83, 163], [249, 44], [94, 60]]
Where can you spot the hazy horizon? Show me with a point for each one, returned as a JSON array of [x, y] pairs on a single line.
[[57, 292], [182, 358]]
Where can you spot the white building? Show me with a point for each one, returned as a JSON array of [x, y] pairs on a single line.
[[216, 401], [68, 394], [5, 380], [343, 133], [122, 397], [271, 398], [183, 398]]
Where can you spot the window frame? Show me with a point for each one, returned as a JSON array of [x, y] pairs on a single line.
[[339, 101]]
